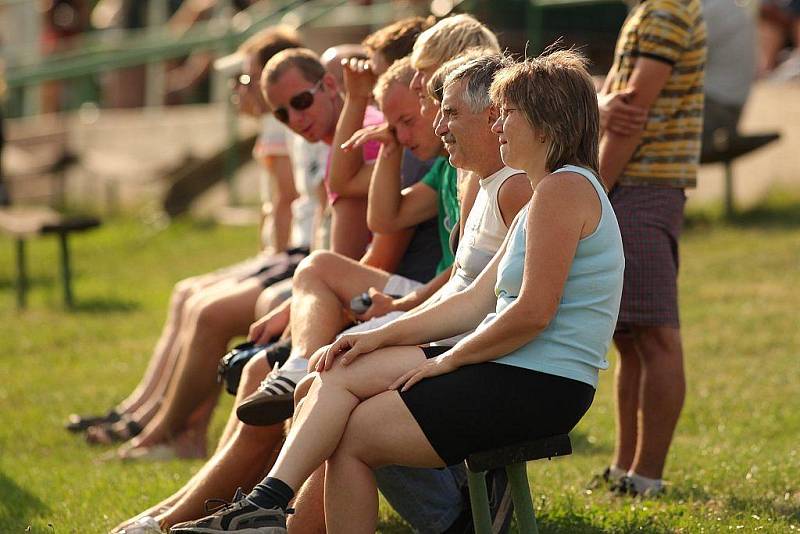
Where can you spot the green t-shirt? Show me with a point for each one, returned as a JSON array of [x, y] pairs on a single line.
[[443, 179]]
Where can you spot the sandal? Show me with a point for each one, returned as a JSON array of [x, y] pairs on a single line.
[[79, 423], [106, 434]]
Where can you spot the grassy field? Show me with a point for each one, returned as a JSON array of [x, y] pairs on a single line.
[[735, 465]]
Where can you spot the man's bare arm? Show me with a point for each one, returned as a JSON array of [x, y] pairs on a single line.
[[647, 80]]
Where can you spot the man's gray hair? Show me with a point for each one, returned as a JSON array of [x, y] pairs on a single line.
[[477, 74]]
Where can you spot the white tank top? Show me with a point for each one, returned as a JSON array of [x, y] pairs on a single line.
[[484, 232]]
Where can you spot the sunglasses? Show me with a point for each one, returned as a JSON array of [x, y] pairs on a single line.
[[298, 102]]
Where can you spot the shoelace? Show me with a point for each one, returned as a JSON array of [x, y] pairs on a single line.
[[269, 378], [212, 506], [222, 504]]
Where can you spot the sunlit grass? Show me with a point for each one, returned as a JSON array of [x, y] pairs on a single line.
[[734, 465]]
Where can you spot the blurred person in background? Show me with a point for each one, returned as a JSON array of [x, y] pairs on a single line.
[[779, 37], [658, 68], [730, 67], [206, 311]]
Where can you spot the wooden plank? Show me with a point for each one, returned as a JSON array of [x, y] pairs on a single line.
[[24, 222]]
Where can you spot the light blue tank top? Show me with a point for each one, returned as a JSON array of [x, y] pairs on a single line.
[[575, 343]]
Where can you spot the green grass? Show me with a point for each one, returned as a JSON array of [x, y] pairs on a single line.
[[734, 466]]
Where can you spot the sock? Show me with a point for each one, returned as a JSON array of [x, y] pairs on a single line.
[[295, 364], [271, 493], [615, 473], [644, 484]]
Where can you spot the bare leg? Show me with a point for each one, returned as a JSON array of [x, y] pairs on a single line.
[[253, 373], [349, 232], [272, 296], [319, 291], [240, 460], [627, 380], [322, 419], [148, 387], [218, 319], [309, 506], [663, 389], [381, 431]]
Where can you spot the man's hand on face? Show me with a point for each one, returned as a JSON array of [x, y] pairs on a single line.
[[382, 133], [359, 79], [617, 115]]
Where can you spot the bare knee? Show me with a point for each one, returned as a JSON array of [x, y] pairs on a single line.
[[659, 344], [211, 314], [317, 265], [270, 298], [302, 388]]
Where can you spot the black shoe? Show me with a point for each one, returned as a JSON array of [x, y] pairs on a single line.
[[601, 480], [273, 402], [79, 423], [625, 487], [239, 516]]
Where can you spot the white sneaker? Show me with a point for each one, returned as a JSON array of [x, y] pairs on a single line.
[[143, 525]]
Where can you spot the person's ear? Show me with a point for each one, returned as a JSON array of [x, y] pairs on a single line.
[[494, 113], [329, 82]]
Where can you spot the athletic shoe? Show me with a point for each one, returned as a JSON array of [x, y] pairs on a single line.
[[626, 486], [602, 480], [143, 525], [239, 516], [273, 402]]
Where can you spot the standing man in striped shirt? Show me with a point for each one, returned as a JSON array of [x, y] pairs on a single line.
[[651, 110]]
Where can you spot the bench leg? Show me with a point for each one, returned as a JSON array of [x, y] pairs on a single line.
[[479, 499], [520, 492], [729, 205], [66, 274], [22, 279]]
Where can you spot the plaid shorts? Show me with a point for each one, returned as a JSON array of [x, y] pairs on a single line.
[[650, 221]]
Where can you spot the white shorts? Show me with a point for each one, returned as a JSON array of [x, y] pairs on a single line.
[[396, 285]]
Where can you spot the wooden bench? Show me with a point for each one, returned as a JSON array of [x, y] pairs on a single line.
[[725, 148], [514, 459], [22, 223]]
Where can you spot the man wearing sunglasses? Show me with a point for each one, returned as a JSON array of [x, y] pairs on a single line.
[[306, 98]]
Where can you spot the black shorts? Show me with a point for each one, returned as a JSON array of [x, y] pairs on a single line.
[[489, 405], [281, 269]]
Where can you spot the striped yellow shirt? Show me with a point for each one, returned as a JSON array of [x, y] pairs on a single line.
[[672, 31]]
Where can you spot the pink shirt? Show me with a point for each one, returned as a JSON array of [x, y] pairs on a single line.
[[369, 151]]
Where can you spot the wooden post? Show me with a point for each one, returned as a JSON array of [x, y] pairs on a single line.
[[22, 280]]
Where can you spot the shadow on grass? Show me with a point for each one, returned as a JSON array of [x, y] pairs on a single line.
[[104, 305], [582, 445], [570, 523], [19, 506], [779, 211]]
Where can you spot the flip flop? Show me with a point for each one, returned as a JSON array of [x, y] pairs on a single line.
[[107, 434], [79, 423]]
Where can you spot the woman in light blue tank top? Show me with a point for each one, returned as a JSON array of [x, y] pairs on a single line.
[[543, 313]]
